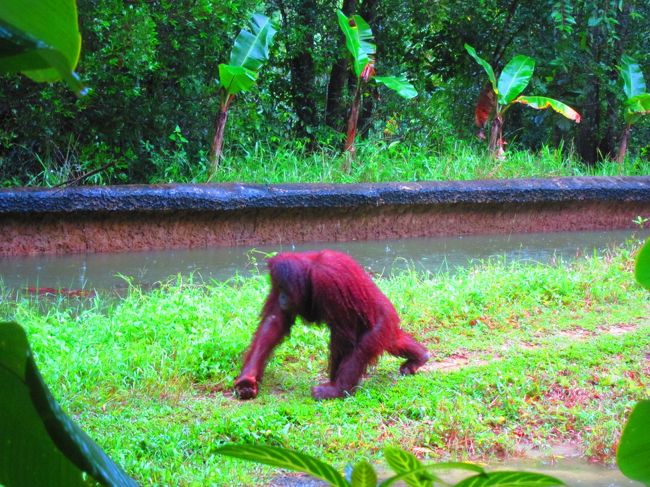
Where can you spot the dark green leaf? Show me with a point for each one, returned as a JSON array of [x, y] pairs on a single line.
[[486, 66], [642, 269], [633, 454], [364, 475], [633, 82], [398, 84], [235, 79], [514, 78], [41, 41], [358, 40], [40, 445], [510, 479], [283, 458], [542, 103], [251, 48]]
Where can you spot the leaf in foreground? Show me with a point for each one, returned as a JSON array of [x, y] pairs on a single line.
[[642, 266], [408, 467], [42, 41], [510, 479], [39, 444], [283, 458], [633, 454], [364, 475]]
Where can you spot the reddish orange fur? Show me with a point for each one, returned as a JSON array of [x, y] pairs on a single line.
[[328, 287]]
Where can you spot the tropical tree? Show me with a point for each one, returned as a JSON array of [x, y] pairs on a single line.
[[359, 42], [637, 103], [250, 51], [501, 94]]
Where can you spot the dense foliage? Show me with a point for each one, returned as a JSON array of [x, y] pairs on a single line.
[[152, 67]]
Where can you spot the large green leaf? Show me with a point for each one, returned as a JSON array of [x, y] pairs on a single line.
[[633, 82], [642, 266], [40, 445], [514, 78], [510, 479], [398, 84], [633, 454], [283, 458], [486, 66], [636, 107], [251, 48], [235, 79], [543, 102], [363, 475], [42, 40], [358, 40]]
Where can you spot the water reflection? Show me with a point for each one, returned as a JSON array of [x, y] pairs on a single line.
[[106, 271]]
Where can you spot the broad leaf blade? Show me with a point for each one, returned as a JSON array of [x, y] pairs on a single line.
[[408, 467], [358, 40], [399, 84], [47, 448], [42, 41], [283, 458], [486, 66], [633, 82], [543, 102], [235, 79], [636, 107], [633, 450], [510, 479], [514, 78], [642, 267], [364, 475], [251, 48]]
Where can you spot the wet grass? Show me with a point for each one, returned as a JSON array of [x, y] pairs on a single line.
[[556, 354], [379, 161]]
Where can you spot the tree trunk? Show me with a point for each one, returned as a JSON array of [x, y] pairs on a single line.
[[219, 130], [349, 148], [622, 148], [335, 107], [496, 138], [302, 70]]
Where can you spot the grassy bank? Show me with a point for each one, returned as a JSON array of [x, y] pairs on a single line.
[[525, 356], [377, 161]]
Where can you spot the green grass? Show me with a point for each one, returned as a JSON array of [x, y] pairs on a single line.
[[380, 162], [377, 161], [556, 354]]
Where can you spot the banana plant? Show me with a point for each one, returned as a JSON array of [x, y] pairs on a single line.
[[250, 51], [637, 103], [506, 91], [359, 42]]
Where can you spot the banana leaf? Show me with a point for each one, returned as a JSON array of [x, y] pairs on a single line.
[[39, 443], [486, 66], [636, 107], [399, 84], [235, 79], [542, 103], [42, 41], [251, 48], [633, 82], [358, 40], [514, 78]]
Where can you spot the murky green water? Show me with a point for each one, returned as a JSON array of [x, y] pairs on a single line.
[[106, 271]]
